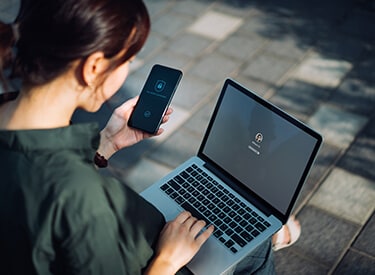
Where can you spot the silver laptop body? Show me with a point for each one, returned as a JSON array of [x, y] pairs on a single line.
[[256, 158]]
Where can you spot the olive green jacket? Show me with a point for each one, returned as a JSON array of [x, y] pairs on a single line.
[[58, 215]]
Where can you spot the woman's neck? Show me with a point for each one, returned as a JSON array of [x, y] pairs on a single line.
[[42, 107]]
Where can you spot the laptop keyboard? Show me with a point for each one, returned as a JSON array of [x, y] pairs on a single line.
[[236, 224]]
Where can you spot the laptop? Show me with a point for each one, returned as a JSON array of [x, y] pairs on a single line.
[[245, 179]]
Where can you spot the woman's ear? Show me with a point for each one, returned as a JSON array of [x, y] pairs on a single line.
[[93, 68]]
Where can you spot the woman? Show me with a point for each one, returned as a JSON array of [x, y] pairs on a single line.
[[58, 214]]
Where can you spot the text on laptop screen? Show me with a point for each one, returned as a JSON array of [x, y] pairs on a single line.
[[261, 149]]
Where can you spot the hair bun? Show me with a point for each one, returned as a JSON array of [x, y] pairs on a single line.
[[9, 35]]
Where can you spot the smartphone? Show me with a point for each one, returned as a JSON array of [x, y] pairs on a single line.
[[155, 97]]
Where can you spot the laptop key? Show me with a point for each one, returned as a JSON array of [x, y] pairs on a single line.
[[229, 243], [169, 191], [192, 200], [218, 222], [241, 242], [218, 233], [179, 200], [255, 233], [174, 185], [249, 228], [243, 223], [179, 179], [260, 227], [224, 227], [246, 236], [238, 229], [232, 224], [188, 207], [229, 232], [173, 195], [184, 174]]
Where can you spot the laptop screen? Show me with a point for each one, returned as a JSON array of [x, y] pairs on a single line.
[[259, 145]]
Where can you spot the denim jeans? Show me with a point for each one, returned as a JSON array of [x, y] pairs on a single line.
[[259, 261]]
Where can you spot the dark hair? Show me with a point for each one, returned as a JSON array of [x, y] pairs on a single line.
[[7, 40], [53, 33]]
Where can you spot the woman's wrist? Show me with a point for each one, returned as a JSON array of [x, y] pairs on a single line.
[[159, 266], [106, 148]]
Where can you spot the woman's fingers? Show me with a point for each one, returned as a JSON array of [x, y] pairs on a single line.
[[183, 216], [205, 235], [195, 226]]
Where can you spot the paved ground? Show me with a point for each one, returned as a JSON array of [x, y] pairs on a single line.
[[315, 60]]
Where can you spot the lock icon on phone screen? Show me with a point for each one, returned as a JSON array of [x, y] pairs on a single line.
[[160, 85]]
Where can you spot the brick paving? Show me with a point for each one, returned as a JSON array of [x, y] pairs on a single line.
[[316, 60]]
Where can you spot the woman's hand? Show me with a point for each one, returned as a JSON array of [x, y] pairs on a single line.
[[179, 241], [117, 134]]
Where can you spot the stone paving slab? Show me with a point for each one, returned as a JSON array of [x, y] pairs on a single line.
[[361, 24], [365, 241], [300, 97], [199, 121], [214, 67], [289, 262], [337, 126], [157, 7], [261, 88], [153, 45], [138, 180], [191, 92], [323, 72], [163, 25], [189, 44], [268, 68], [325, 160], [191, 7], [180, 146], [167, 58], [215, 25], [338, 46], [355, 96], [347, 196], [240, 47], [360, 157], [179, 117], [365, 68], [324, 238], [287, 47], [355, 263]]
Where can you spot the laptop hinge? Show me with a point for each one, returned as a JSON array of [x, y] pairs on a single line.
[[238, 188]]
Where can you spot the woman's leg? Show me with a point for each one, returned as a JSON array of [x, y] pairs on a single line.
[[259, 261]]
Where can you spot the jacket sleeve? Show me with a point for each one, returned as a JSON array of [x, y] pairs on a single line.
[[139, 222], [106, 228], [94, 249]]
